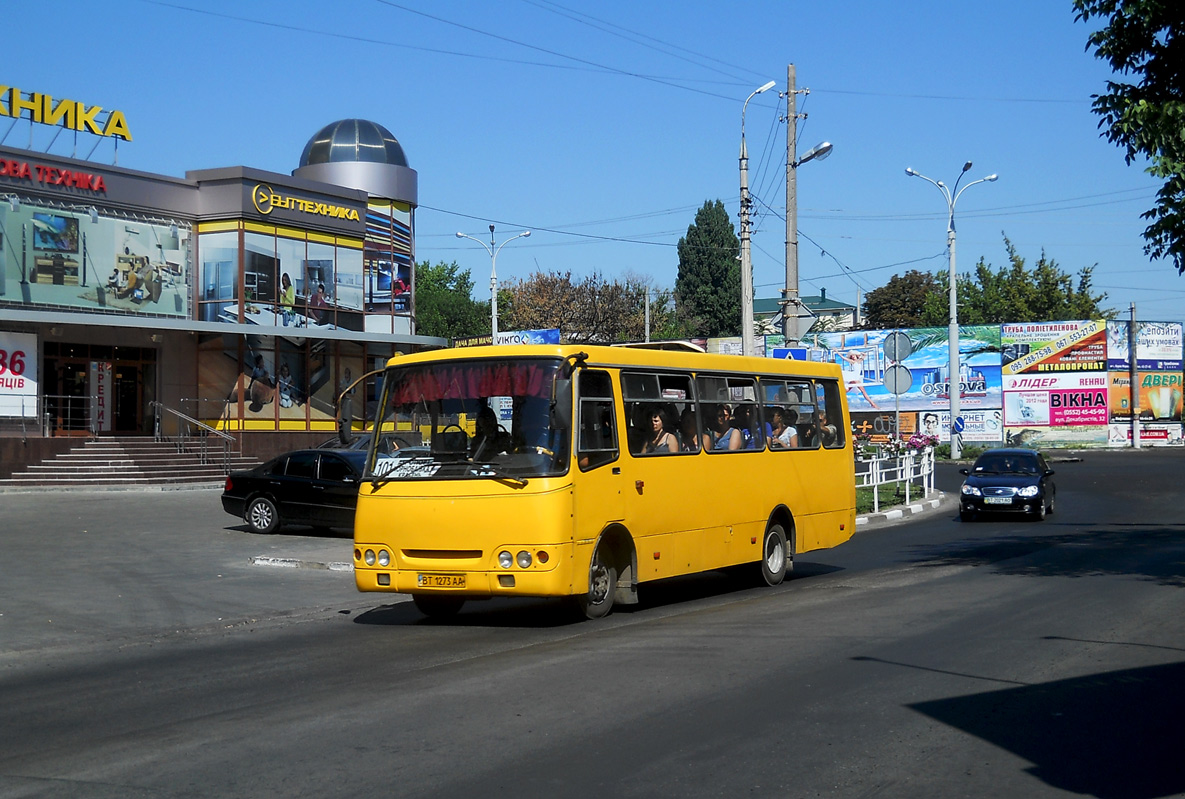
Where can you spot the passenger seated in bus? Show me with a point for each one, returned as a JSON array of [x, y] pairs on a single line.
[[784, 434], [743, 436], [821, 431], [719, 432], [687, 430], [488, 438], [659, 439]]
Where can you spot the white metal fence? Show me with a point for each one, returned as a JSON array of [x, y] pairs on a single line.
[[912, 468]]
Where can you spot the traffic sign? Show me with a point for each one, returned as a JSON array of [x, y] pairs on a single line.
[[959, 424], [898, 379], [897, 347]]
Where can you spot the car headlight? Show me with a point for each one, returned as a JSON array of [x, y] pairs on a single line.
[[505, 559], [971, 491], [1028, 491]]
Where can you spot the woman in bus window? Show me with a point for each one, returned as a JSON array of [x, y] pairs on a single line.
[[687, 429], [784, 434], [720, 429], [659, 439]]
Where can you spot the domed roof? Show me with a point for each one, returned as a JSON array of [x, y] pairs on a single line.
[[353, 140]]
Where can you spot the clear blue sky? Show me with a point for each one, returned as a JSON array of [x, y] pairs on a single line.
[[603, 127]]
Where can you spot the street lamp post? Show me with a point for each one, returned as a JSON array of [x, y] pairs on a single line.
[[746, 264], [953, 383], [791, 302], [493, 251]]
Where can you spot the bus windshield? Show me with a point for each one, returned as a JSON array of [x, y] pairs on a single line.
[[500, 419]]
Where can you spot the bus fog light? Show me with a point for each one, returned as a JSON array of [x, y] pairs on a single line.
[[370, 557], [505, 559], [524, 560], [384, 557]]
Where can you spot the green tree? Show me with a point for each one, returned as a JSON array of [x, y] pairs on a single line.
[[590, 309], [708, 286], [444, 303], [1017, 294], [900, 302], [1143, 39]]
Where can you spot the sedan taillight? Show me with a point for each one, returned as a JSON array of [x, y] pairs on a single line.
[[229, 485]]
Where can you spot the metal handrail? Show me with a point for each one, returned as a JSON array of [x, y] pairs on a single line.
[[905, 468], [200, 432]]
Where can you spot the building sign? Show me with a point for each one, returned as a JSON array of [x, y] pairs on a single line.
[[512, 337], [1054, 347], [51, 175], [18, 374], [266, 199], [70, 114], [101, 403]]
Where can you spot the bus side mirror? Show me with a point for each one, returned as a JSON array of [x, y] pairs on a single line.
[[561, 405]]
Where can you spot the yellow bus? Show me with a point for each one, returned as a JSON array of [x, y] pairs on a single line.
[[585, 471]]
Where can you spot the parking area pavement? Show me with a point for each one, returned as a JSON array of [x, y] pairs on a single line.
[[86, 568], [96, 568]]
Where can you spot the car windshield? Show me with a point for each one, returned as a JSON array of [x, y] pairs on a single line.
[[505, 419], [994, 463]]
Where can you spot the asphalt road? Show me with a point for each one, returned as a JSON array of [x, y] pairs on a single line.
[[142, 655]]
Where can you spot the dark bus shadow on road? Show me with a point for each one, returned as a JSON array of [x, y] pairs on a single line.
[[529, 612], [1116, 734], [1148, 552]]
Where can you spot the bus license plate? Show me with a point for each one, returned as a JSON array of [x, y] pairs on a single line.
[[440, 580], [997, 500]]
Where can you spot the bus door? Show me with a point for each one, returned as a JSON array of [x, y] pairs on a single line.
[[598, 482]]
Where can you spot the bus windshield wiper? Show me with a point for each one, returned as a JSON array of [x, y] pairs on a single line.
[[490, 470]]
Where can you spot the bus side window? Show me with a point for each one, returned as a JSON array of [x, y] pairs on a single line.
[[830, 422], [597, 434]]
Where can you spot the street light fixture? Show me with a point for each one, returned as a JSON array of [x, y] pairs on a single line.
[[493, 251], [746, 264], [951, 195]]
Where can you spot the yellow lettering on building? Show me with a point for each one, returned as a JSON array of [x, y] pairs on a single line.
[[45, 110]]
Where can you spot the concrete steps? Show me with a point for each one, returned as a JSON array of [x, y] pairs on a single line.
[[139, 462]]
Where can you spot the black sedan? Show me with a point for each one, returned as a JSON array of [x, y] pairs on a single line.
[[1008, 481], [318, 487]]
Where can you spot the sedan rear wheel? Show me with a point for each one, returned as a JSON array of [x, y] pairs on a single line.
[[262, 516]]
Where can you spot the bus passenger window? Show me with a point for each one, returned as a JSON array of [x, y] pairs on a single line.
[[597, 435], [829, 423]]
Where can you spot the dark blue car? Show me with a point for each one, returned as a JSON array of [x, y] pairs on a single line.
[[1008, 481]]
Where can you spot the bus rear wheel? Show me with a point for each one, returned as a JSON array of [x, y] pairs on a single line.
[[602, 583], [437, 607], [773, 555]]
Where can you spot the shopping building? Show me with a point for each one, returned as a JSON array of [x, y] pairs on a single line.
[[241, 298]]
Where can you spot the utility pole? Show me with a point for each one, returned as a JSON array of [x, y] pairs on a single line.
[[790, 298]]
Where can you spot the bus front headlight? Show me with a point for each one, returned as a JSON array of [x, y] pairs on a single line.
[[369, 557], [524, 560], [384, 558], [505, 559]]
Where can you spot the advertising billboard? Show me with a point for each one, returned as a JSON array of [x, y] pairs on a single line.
[[1158, 346], [1059, 408], [860, 355], [18, 374], [1044, 347]]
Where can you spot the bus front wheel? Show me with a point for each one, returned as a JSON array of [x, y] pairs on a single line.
[[773, 555], [437, 607], [602, 583]]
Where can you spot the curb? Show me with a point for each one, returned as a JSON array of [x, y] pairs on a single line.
[[295, 563], [900, 512]]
